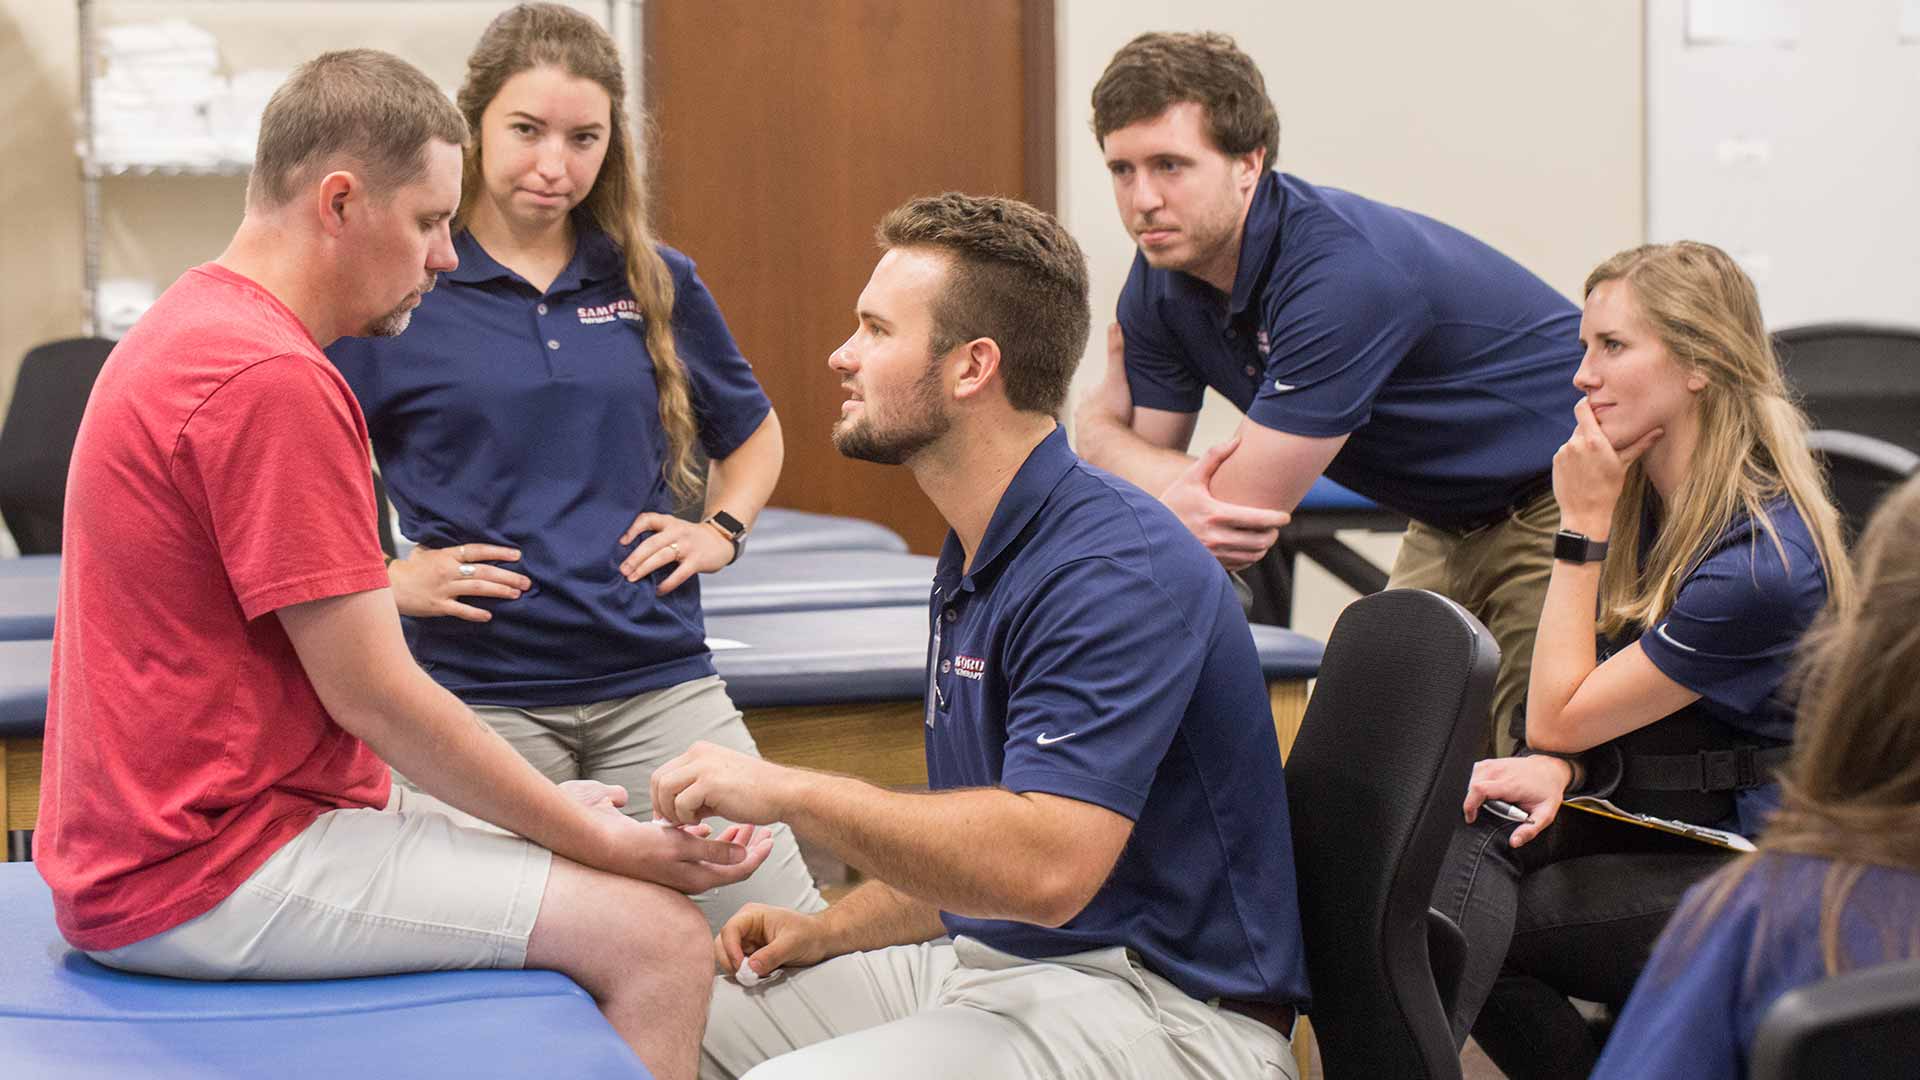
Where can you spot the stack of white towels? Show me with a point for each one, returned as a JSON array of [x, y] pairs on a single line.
[[162, 99]]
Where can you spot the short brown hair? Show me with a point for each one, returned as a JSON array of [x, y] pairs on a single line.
[[364, 105], [1156, 71], [1017, 277]]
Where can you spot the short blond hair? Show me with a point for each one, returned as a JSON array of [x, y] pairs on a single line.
[[367, 107]]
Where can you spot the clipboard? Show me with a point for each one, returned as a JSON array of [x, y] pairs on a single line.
[[1719, 838]]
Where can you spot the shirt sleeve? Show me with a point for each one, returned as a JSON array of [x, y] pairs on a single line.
[[1336, 328], [1158, 373], [1098, 688], [277, 462], [1730, 634], [727, 399]]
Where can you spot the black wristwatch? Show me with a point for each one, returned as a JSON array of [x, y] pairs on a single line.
[[730, 527], [1573, 547]]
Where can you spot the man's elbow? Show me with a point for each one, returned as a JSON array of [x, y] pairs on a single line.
[[1059, 895]]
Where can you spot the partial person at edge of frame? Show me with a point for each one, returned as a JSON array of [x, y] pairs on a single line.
[[1697, 523], [541, 418], [1836, 883], [1105, 843], [1396, 354], [231, 687]]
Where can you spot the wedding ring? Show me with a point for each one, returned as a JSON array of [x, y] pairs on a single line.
[[675, 548]]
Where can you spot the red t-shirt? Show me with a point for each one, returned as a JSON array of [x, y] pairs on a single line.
[[221, 472]]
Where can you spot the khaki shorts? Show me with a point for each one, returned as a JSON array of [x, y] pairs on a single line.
[[418, 886]]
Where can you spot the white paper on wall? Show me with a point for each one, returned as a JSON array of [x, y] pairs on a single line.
[[1743, 22]]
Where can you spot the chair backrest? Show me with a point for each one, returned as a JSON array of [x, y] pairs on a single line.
[[1374, 782], [1861, 470], [36, 442], [1863, 1024], [1856, 377]]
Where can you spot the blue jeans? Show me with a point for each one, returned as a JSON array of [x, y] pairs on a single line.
[[1572, 914]]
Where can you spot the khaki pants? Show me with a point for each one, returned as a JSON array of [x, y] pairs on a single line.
[[622, 741], [963, 1011], [1499, 573]]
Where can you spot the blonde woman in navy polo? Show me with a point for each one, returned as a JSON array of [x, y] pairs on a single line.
[[536, 429], [1696, 523]]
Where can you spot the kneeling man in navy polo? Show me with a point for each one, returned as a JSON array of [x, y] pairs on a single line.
[[1100, 882], [1400, 356]]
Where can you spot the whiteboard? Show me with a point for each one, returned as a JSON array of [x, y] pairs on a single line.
[[1788, 133]]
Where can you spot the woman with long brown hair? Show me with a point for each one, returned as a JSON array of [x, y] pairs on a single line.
[[1696, 523], [1836, 882], [537, 428]]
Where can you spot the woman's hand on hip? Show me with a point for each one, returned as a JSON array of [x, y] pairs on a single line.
[[431, 581], [696, 548]]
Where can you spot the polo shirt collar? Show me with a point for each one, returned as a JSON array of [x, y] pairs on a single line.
[[1257, 239], [1043, 470], [595, 258]]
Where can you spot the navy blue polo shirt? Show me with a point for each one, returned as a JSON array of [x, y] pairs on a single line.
[[1096, 652], [1731, 632], [1702, 996], [510, 416], [1449, 365]]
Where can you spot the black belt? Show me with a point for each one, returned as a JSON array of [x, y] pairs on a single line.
[[1271, 1013], [1705, 770], [1538, 486]]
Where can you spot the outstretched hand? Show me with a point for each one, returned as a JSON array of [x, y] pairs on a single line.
[[1236, 534]]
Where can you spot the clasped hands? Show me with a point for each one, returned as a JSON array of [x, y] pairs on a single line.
[[1236, 534]]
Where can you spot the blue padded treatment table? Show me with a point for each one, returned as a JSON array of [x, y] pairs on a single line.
[[817, 581], [27, 601], [62, 1015], [30, 566], [25, 667], [841, 690], [782, 530]]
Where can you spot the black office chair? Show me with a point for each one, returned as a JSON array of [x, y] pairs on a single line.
[[1863, 1025], [1861, 470], [1374, 783], [1855, 377], [36, 441]]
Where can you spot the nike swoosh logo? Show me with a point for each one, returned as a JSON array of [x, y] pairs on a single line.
[[1045, 740]]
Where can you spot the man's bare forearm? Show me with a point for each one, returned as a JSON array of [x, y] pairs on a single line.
[[1116, 447], [929, 846], [356, 658], [876, 915]]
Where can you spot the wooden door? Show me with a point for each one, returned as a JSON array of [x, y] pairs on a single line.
[[785, 129]]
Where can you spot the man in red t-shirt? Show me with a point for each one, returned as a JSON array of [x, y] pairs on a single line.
[[230, 684]]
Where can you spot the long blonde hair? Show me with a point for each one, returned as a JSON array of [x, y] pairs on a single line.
[[1753, 438], [1851, 792], [551, 35]]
